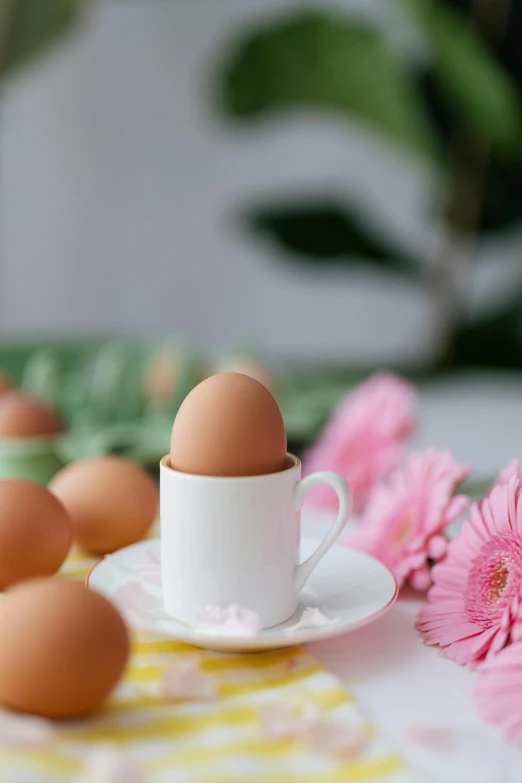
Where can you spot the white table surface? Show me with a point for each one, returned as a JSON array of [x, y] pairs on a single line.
[[400, 683]]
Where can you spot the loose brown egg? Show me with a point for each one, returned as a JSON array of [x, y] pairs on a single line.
[[22, 416], [162, 377], [62, 649], [229, 425], [112, 502], [5, 382], [35, 531]]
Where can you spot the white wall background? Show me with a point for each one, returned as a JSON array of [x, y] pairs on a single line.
[[119, 185]]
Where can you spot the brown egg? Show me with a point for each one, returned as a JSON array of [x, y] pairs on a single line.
[[229, 425], [35, 531], [62, 649], [112, 502], [5, 382], [250, 367], [162, 377], [22, 416]]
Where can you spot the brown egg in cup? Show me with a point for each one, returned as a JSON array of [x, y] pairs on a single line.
[[229, 425]]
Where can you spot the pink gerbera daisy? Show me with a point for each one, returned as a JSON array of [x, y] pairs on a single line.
[[406, 517], [474, 608], [498, 691], [514, 468], [365, 439]]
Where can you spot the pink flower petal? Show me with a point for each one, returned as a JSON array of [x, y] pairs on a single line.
[[188, 681], [514, 468], [365, 438], [451, 633], [312, 618], [133, 597], [498, 691], [420, 579], [474, 606], [406, 517], [234, 621], [437, 547]]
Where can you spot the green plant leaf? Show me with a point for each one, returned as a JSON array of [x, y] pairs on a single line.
[[503, 197], [494, 338], [28, 27], [502, 194], [326, 234], [506, 34], [477, 86], [331, 62]]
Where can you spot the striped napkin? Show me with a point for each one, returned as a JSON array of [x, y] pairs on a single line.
[[141, 737]]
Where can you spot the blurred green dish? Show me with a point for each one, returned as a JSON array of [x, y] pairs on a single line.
[[103, 390], [36, 459]]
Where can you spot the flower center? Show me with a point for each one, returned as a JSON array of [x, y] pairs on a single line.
[[499, 582], [402, 530], [494, 579]]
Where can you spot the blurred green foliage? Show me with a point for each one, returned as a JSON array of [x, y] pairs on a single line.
[[472, 82], [459, 106], [335, 64], [324, 233], [102, 388], [29, 27]]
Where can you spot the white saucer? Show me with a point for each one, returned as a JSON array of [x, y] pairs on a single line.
[[349, 587]]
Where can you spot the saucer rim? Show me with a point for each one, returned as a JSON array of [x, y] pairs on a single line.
[[260, 642]]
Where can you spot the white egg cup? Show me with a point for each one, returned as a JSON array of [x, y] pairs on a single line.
[[236, 540]]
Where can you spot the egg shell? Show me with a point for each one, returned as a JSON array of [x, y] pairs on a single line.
[[35, 531], [252, 367], [112, 502], [162, 377], [63, 648], [229, 425], [23, 416], [5, 382]]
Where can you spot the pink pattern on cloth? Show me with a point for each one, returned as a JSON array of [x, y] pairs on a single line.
[[25, 732], [406, 518], [474, 607], [332, 738], [365, 439], [110, 765], [300, 719], [188, 681], [234, 621], [498, 691], [439, 739], [287, 720]]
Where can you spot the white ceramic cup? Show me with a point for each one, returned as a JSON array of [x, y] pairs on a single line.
[[236, 540]]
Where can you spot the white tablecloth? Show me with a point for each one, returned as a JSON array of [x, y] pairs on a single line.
[[402, 686]]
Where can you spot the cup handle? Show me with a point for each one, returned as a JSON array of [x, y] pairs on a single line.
[[339, 485]]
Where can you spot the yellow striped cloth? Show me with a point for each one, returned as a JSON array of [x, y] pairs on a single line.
[[217, 741]]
